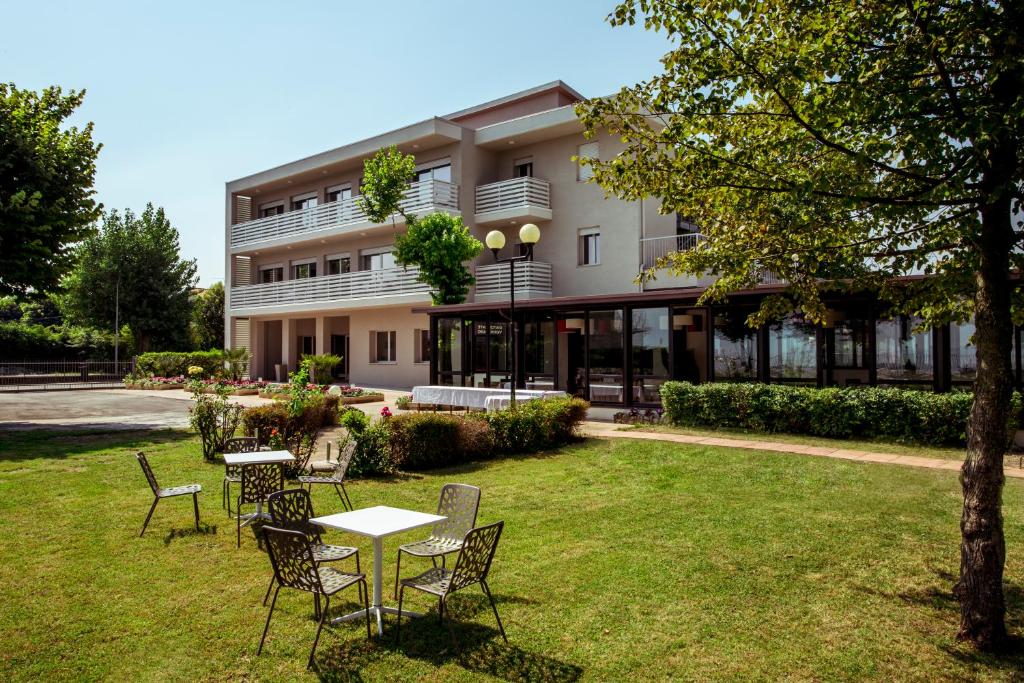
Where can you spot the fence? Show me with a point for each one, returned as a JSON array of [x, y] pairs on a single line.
[[71, 374]]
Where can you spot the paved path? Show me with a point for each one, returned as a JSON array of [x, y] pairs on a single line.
[[611, 430]]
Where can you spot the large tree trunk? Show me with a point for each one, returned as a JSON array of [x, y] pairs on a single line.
[[982, 548]]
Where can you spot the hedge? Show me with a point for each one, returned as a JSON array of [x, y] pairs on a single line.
[[904, 415], [172, 363], [27, 342]]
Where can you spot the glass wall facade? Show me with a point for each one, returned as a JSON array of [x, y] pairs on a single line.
[[606, 356], [449, 350], [650, 352], [793, 350], [903, 355], [735, 347], [963, 356], [539, 351]]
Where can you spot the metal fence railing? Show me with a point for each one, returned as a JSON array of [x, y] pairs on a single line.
[[70, 374]]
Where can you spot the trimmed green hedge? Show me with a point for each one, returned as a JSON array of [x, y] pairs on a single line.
[[26, 342], [174, 363], [905, 415]]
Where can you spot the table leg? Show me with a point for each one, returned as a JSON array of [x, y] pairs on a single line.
[[378, 570]]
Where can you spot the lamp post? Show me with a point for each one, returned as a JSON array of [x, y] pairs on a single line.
[[529, 234]]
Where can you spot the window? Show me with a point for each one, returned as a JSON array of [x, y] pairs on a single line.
[[735, 346], [434, 170], [336, 265], [421, 338], [307, 346], [589, 150], [684, 226], [590, 247], [339, 193], [377, 260], [305, 201], [301, 271], [904, 352], [382, 346], [271, 274], [850, 346], [268, 210], [963, 355], [522, 168], [793, 350]]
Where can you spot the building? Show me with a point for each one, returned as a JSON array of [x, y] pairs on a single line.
[[308, 273]]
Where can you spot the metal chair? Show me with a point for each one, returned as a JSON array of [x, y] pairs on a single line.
[[459, 503], [292, 510], [294, 567], [258, 482], [233, 473], [472, 566], [159, 493], [336, 478]]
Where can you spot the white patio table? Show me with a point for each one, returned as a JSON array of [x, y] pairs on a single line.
[[258, 458], [377, 523]]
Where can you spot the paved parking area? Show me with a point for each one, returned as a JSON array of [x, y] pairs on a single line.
[[90, 409]]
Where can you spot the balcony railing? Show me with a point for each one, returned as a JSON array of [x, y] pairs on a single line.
[[420, 198], [533, 280], [654, 248], [329, 289], [511, 194]]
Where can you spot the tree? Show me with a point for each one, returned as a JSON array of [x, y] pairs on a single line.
[[848, 144], [136, 260], [439, 244], [208, 318], [385, 179], [46, 178]]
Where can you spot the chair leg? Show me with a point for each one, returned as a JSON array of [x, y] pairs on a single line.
[[267, 626], [319, 628], [359, 571], [366, 605], [195, 508], [146, 523], [483, 584], [316, 605], [347, 499], [398, 623], [238, 526], [451, 628], [341, 497], [398, 568], [273, 580], [224, 493]]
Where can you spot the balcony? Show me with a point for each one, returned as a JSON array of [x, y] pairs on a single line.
[[533, 281], [654, 248], [348, 290], [520, 199], [338, 217]]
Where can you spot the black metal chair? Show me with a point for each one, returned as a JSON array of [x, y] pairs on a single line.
[[173, 492], [336, 475], [294, 567], [459, 504], [292, 510], [233, 473], [471, 567], [258, 482]]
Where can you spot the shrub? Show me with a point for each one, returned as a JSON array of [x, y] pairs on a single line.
[[214, 417], [170, 363], [323, 365], [867, 412], [422, 441], [299, 431], [536, 425], [373, 451]]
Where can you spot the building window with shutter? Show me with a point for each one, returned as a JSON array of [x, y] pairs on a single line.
[[383, 346], [271, 274], [589, 150], [339, 264], [589, 247], [421, 338], [303, 270]]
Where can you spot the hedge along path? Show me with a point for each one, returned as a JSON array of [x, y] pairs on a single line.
[[609, 430]]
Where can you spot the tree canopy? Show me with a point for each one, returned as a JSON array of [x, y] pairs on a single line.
[[438, 245], [140, 257], [848, 144], [208, 318], [46, 186], [385, 179]]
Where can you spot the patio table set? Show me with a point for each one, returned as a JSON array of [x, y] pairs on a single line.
[[291, 533]]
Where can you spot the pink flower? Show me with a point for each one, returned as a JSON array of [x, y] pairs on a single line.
[[385, 412]]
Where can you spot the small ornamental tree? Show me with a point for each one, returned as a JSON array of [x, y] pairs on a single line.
[[843, 144], [385, 179], [438, 245]]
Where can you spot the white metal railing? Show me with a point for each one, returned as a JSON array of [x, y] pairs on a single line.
[[531, 276], [361, 284], [654, 248], [510, 194], [421, 197]]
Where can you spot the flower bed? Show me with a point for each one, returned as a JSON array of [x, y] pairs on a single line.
[[155, 383], [239, 387], [346, 394]]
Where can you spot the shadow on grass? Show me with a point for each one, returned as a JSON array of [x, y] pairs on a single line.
[[939, 596], [204, 530], [31, 445]]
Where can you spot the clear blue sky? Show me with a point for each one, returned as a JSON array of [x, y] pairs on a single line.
[[186, 96]]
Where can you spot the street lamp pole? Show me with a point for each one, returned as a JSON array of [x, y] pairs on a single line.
[[529, 235]]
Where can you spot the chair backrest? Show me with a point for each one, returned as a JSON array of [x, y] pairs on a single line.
[[459, 503], [292, 510], [148, 471], [260, 480], [345, 454], [242, 444], [292, 559], [475, 557]]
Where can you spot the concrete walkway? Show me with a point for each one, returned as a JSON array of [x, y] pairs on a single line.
[[613, 431]]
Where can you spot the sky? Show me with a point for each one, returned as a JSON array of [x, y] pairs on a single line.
[[186, 96]]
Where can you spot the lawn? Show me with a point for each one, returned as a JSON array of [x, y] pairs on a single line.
[[620, 559]]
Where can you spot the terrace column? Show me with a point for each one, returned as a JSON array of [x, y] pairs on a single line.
[[321, 335], [256, 363], [288, 344]]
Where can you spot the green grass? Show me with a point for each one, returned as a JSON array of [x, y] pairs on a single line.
[[620, 560], [873, 445]]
